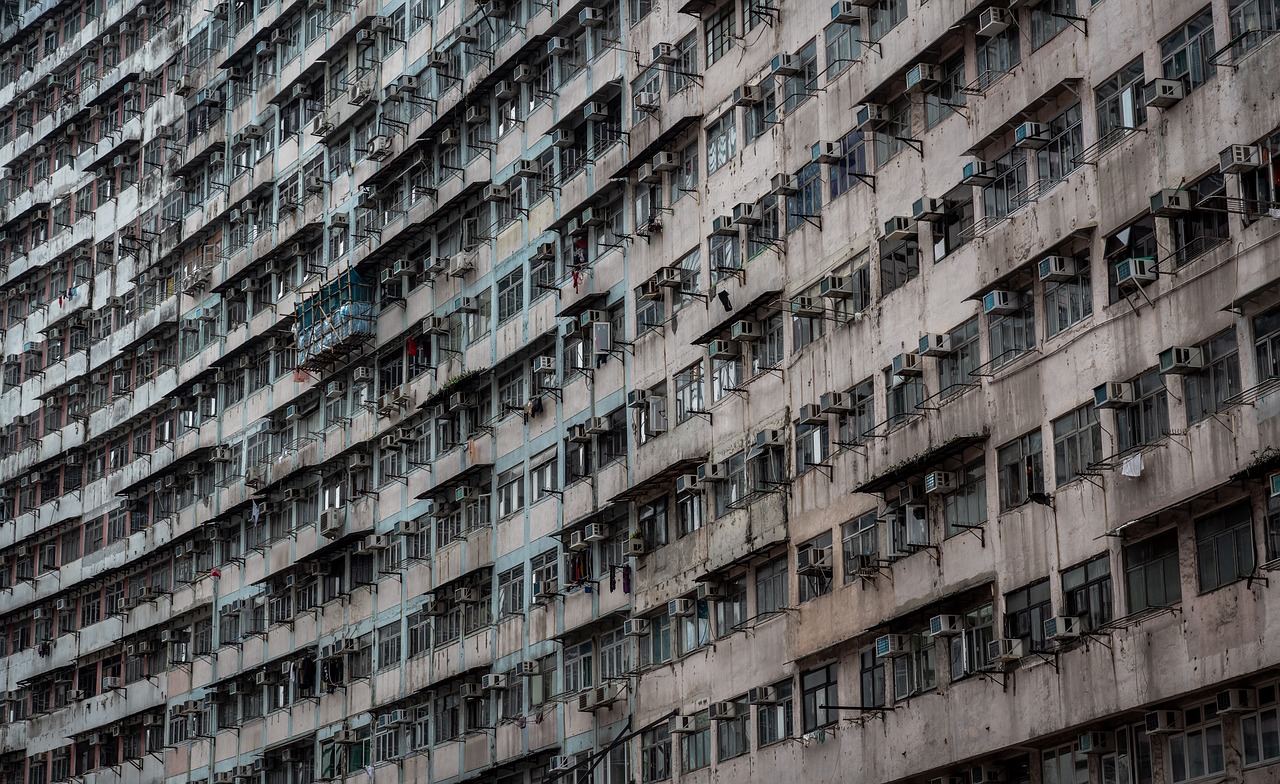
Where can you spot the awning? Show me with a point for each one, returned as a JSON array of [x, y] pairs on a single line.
[[920, 463]]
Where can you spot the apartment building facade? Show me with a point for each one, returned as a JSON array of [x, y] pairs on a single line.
[[434, 391]]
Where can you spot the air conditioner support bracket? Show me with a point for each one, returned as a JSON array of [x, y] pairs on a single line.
[[1049, 658], [976, 530], [1078, 22], [874, 45], [825, 469], [914, 144]]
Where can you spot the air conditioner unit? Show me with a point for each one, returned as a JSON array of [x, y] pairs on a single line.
[[681, 725], [646, 101], [762, 695], [594, 532], [813, 561], [929, 209], [1031, 136], [807, 307], [1113, 394], [907, 364], [1135, 271], [1163, 93], [834, 403], [986, 774], [812, 414], [993, 21], [871, 116], [470, 691], [524, 73], [892, 645], [331, 522], [1237, 700], [595, 111], [1061, 627], [978, 173], [939, 482], [1240, 158], [846, 12], [1170, 201], [634, 548], [1004, 650], [111, 683], [747, 214], [723, 711], [920, 76], [935, 344], [681, 608], [1057, 268], [786, 65], [1095, 742], [945, 625], [635, 627], [558, 46], [1000, 302], [1163, 722], [665, 54], [723, 349], [1181, 359], [749, 95], [744, 331], [688, 483], [590, 17]]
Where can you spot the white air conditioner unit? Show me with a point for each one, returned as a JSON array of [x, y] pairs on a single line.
[[1181, 359], [786, 65], [646, 101], [992, 22], [635, 627], [892, 645], [1031, 135], [1000, 302], [1237, 700], [1170, 201], [939, 482], [1113, 394], [1163, 722], [762, 695], [846, 12], [1004, 650], [723, 349], [871, 117], [681, 608], [921, 76], [1057, 268], [907, 364], [1133, 272], [978, 173], [1163, 93], [812, 414], [929, 209], [1062, 627], [813, 561], [945, 625], [1240, 158]]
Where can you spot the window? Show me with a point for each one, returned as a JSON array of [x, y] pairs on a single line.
[[806, 204], [695, 629], [1064, 765], [1261, 730], [510, 492], [761, 116], [1197, 751], [853, 162], [1086, 589], [1266, 335], [968, 650], [686, 65], [695, 747], [731, 611], [997, 56], [720, 33], [726, 377], [889, 139], [639, 10], [916, 670], [950, 232], [544, 480], [685, 178], [655, 647], [941, 100], [1224, 547], [871, 678], [1252, 23], [771, 586], [511, 294], [884, 16], [774, 722], [688, 392], [1146, 420], [818, 690], [655, 753], [1068, 302], [1207, 390], [722, 141], [1185, 53], [999, 199], [1048, 19], [902, 395], [899, 263], [1120, 105], [577, 668], [966, 506], [1025, 611], [389, 646], [798, 87], [1013, 334], [955, 369], [843, 47], [1077, 443], [511, 592], [1205, 226], [1021, 467], [1151, 572], [816, 581], [732, 738], [767, 352], [859, 536], [1058, 158]]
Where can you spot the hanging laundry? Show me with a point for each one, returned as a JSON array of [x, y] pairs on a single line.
[[1132, 465], [626, 579]]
